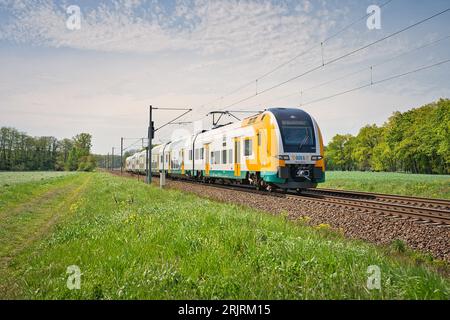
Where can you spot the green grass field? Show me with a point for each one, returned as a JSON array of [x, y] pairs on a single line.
[[132, 241], [421, 185], [10, 178]]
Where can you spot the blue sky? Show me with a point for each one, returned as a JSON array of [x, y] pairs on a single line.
[[131, 53]]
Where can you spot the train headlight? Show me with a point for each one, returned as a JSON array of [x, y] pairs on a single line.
[[283, 157], [316, 158]]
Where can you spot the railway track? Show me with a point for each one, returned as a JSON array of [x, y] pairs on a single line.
[[435, 212], [440, 204], [421, 210]]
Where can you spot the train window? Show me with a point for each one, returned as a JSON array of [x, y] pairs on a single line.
[[230, 156], [212, 157], [216, 157], [248, 147], [224, 156], [202, 152]]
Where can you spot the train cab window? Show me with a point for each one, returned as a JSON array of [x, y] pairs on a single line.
[[297, 133], [248, 147], [297, 130]]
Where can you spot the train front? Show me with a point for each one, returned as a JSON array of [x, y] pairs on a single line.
[[300, 152]]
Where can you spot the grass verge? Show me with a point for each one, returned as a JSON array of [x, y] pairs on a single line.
[[419, 185], [132, 241]]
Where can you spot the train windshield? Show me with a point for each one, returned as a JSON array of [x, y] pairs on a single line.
[[298, 136], [296, 128]]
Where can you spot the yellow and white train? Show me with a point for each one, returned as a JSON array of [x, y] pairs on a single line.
[[279, 148]]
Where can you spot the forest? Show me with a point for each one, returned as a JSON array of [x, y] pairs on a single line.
[[415, 141], [21, 152]]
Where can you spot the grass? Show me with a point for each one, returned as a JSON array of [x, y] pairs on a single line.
[[132, 241], [11, 178], [420, 185]]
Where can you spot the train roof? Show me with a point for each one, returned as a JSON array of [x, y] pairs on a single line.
[[280, 114]]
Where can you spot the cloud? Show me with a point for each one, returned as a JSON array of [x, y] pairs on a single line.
[[248, 28]]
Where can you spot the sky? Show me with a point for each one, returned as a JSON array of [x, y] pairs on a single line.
[[57, 80]]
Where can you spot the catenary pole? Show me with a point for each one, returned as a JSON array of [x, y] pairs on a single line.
[[121, 155], [149, 147], [112, 159]]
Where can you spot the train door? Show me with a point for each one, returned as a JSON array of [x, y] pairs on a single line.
[[157, 162], [169, 167], [207, 159], [237, 157], [182, 161]]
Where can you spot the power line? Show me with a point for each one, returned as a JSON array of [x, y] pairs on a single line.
[[339, 58], [434, 42], [321, 43], [377, 82], [134, 144], [247, 84], [378, 64]]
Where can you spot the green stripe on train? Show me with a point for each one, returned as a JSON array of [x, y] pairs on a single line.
[[268, 176]]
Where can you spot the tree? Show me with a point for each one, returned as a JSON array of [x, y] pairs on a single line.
[[416, 141], [339, 153], [366, 141], [19, 151]]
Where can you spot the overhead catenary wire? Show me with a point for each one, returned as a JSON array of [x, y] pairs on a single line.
[[339, 58], [365, 69], [139, 140], [278, 67], [372, 83], [315, 46]]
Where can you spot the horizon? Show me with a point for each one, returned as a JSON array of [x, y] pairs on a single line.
[[128, 55]]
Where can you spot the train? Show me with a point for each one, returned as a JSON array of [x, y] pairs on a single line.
[[280, 148]]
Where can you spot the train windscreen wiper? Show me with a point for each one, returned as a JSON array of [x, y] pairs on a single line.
[[303, 143]]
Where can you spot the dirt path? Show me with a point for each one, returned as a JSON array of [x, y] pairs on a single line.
[[26, 223]]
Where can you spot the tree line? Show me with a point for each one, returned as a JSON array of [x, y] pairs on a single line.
[[415, 141], [21, 152]]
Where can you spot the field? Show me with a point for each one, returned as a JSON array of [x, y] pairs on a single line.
[[10, 178], [421, 185], [132, 241]]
